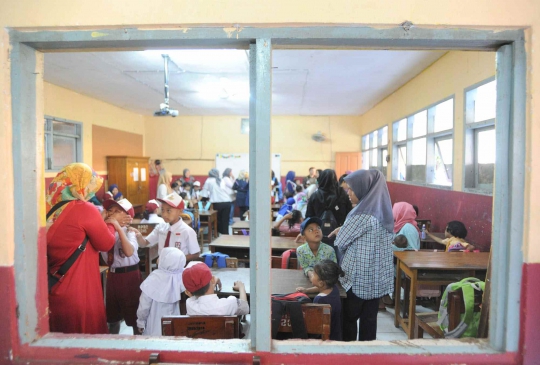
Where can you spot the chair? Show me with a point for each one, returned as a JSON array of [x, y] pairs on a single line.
[[428, 321], [421, 222], [317, 319], [208, 327]]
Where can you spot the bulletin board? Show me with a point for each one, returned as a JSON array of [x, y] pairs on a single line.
[[240, 161]]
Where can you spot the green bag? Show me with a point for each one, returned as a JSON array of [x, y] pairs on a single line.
[[468, 327]]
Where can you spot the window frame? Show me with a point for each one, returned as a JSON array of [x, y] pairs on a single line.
[[430, 137], [470, 164], [508, 205], [49, 141], [378, 149]]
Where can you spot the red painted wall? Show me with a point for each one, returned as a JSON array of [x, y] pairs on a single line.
[[443, 206]]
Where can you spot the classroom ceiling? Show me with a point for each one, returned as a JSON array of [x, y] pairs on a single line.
[[216, 82]]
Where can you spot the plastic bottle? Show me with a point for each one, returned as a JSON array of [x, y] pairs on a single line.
[[423, 232]]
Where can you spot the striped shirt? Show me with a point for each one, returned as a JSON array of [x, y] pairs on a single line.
[[366, 248]]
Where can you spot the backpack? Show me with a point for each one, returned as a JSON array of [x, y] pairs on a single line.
[[468, 327], [290, 304], [329, 224], [218, 257]]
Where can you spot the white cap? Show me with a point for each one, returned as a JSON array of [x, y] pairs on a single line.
[[122, 203], [197, 183], [174, 200]]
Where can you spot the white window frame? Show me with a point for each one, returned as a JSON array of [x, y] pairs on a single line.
[[430, 137], [509, 202], [49, 141], [377, 150], [470, 165]]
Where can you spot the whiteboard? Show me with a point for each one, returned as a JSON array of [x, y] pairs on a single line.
[[240, 161]]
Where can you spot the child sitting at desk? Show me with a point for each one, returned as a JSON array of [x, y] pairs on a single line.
[[313, 251], [294, 219], [161, 292], [325, 277], [174, 232], [454, 234], [201, 286]]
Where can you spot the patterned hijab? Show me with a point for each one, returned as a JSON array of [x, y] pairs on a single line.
[[403, 213], [215, 174], [370, 188], [76, 181]]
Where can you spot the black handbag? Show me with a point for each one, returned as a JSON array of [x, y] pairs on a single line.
[[54, 278]]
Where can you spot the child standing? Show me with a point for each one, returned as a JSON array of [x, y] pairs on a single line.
[[124, 276], [325, 277], [150, 213], [313, 251], [161, 292], [201, 285], [454, 234], [174, 232]]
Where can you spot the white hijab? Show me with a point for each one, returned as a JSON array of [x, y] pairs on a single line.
[[165, 284]]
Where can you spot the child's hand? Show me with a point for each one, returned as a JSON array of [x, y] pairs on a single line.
[[113, 221], [218, 285], [334, 232], [299, 239], [141, 330], [288, 216], [239, 285], [134, 230], [301, 290]]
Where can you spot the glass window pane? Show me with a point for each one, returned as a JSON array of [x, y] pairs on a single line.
[[402, 163], [365, 160], [486, 147], [384, 136], [486, 102], [66, 128], [365, 142], [443, 162], [374, 139], [64, 151], [384, 154], [374, 162], [444, 116], [419, 124], [400, 129], [419, 151]]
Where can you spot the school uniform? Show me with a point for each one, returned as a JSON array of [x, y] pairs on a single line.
[[152, 219], [178, 235], [123, 281], [211, 305]]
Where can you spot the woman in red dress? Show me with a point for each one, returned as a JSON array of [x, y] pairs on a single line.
[[76, 302]]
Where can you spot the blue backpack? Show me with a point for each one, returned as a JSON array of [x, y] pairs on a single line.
[[218, 257]]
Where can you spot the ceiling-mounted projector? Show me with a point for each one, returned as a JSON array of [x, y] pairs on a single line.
[[164, 109]]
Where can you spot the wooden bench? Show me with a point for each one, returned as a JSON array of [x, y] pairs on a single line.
[[456, 307], [276, 263], [208, 327], [317, 318]]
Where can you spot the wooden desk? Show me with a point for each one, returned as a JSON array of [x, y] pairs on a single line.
[[238, 246], [208, 218], [237, 227], [432, 268], [283, 281], [431, 244], [148, 255]]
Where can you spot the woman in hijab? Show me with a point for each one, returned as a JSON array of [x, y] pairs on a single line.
[[76, 301], [329, 196], [161, 292], [117, 195], [365, 243], [164, 185], [290, 183], [241, 185], [405, 224], [214, 188], [186, 177]]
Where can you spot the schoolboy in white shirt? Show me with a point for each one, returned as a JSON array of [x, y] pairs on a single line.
[[124, 276], [174, 232], [200, 285]]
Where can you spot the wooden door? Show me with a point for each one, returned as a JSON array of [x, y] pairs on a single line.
[[347, 161]]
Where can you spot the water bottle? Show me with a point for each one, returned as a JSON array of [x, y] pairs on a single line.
[[423, 232]]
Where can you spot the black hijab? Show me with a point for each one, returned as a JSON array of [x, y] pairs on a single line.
[[329, 191]]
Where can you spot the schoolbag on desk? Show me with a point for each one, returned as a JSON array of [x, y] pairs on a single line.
[[290, 304], [218, 257]]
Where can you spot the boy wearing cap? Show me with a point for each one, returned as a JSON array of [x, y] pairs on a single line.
[[124, 276], [313, 251], [174, 232], [200, 285]]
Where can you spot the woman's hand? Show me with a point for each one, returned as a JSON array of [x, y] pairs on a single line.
[[334, 232]]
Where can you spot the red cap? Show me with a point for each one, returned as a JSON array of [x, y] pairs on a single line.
[[124, 204], [174, 200], [152, 205], [196, 277]]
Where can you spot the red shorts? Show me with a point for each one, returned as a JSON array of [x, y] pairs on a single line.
[[122, 297]]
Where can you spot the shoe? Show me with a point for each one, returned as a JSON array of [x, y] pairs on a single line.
[[387, 301]]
